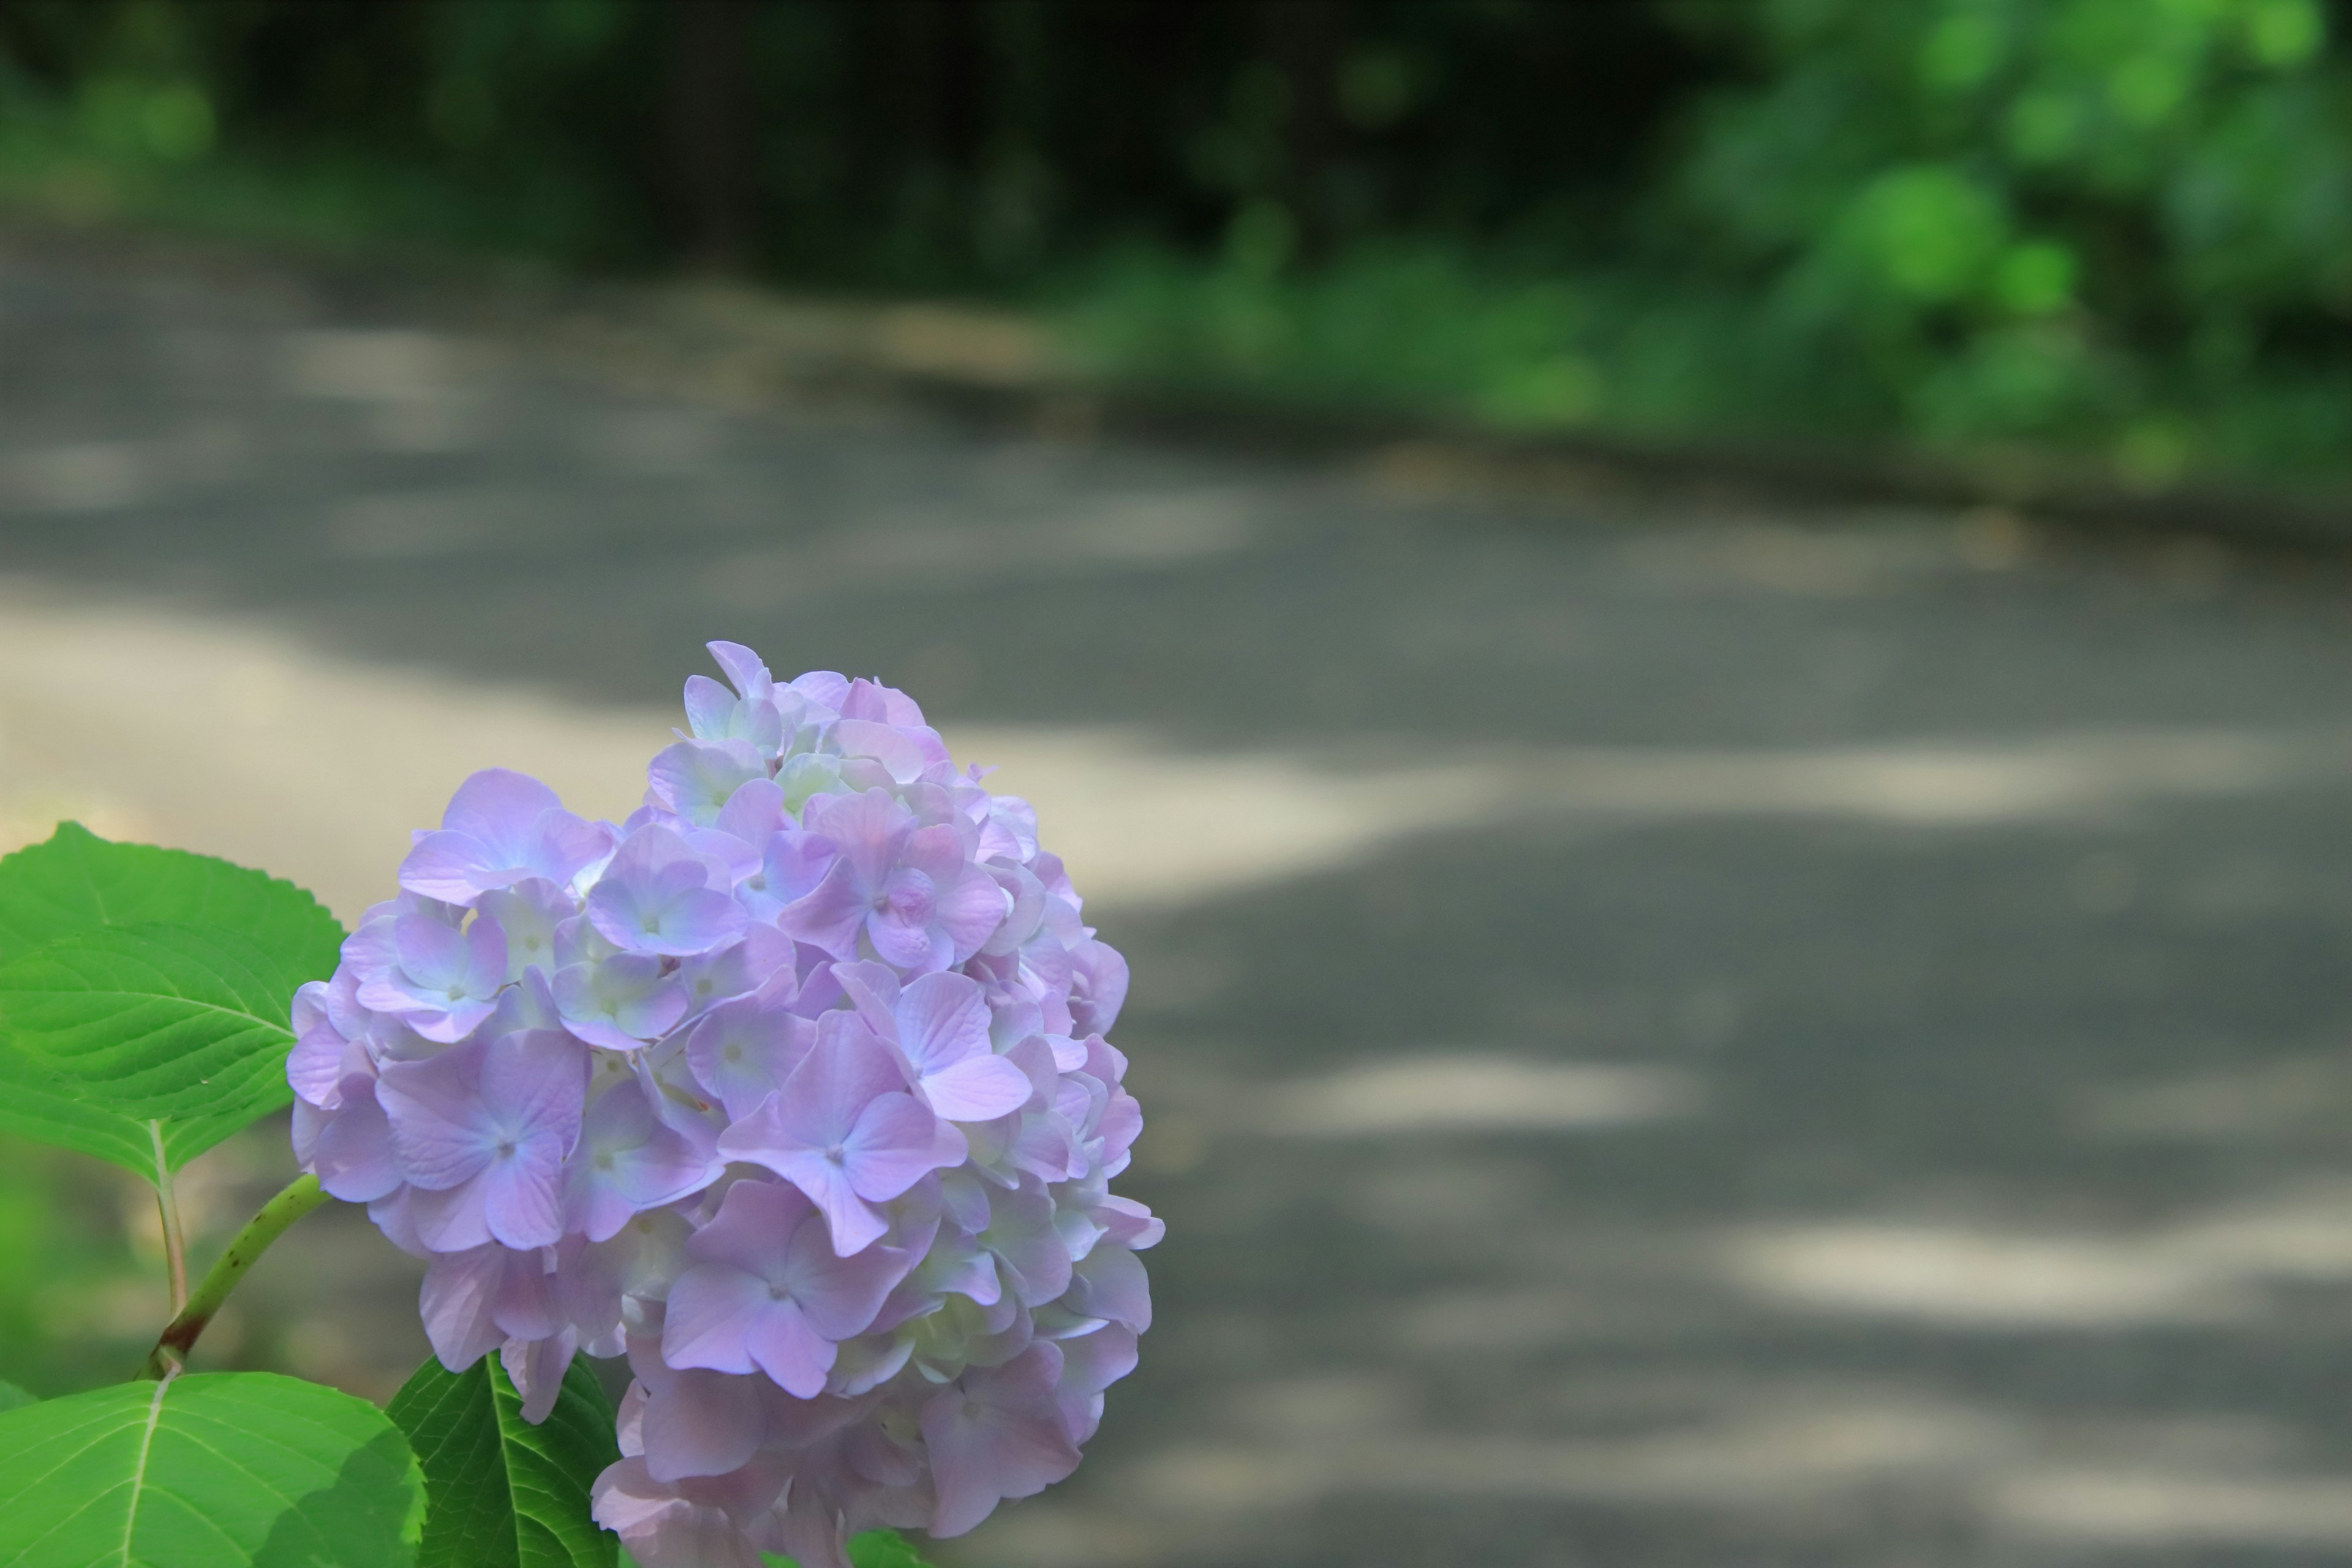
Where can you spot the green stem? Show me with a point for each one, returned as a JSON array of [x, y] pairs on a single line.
[[170, 1351], [175, 1241]]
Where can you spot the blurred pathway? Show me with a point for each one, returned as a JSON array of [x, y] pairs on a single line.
[[1731, 1039]]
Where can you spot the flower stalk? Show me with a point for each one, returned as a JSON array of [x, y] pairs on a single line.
[[176, 1238], [179, 1337]]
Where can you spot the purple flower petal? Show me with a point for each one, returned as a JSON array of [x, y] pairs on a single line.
[[439, 1126], [901, 930], [474, 1300], [843, 1132], [708, 707], [536, 1367], [1110, 1283], [501, 808], [839, 1078], [997, 1434], [700, 1423], [695, 779], [831, 915], [793, 863], [456, 1303], [619, 1003], [902, 755], [1028, 1247], [894, 1145], [743, 1050], [869, 829], [713, 1308], [744, 667], [767, 1290], [1090, 1364], [654, 897], [978, 1088], [316, 1067], [968, 911], [788, 1348], [1098, 983], [627, 1160], [454, 867], [528, 913], [501, 827], [941, 1019], [484, 1129], [762, 961], [754, 812], [353, 1155]]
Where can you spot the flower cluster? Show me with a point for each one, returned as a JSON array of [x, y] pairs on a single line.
[[791, 1088]]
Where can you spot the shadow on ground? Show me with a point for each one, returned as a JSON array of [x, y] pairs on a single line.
[[1822, 1041]]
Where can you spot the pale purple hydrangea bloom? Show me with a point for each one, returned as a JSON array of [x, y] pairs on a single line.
[[791, 1088]]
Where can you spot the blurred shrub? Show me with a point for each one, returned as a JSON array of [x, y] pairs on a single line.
[[2119, 225], [495, 126], [1388, 324], [2127, 221], [77, 1306], [892, 144]]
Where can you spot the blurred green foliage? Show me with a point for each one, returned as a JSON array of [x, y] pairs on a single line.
[[2125, 222], [897, 144], [2119, 225], [77, 1304], [2116, 226], [82, 1284]]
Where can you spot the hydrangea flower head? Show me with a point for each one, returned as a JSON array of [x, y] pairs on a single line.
[[792, 1088]]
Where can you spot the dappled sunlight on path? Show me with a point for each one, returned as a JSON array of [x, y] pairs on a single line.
[[319, 765], [1669, 1040]]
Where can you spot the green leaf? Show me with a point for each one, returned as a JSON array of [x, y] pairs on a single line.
[[507, 1494], [83, 914], [882, 1549], [11, 1397], [34, 1104], [875, 1548], [78, 881], [155, 1021], [244, 1469]]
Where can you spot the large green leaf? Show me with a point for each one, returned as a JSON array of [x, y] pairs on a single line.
[[241, 1469], [77, 881], [507, 1494], [34, 1103], [155, 1021], [115, 1046]]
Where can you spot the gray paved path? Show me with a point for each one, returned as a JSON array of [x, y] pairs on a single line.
[[1735, 1039]]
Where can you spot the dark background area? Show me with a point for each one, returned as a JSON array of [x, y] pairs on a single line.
[[926, 143], [2119, 230]]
